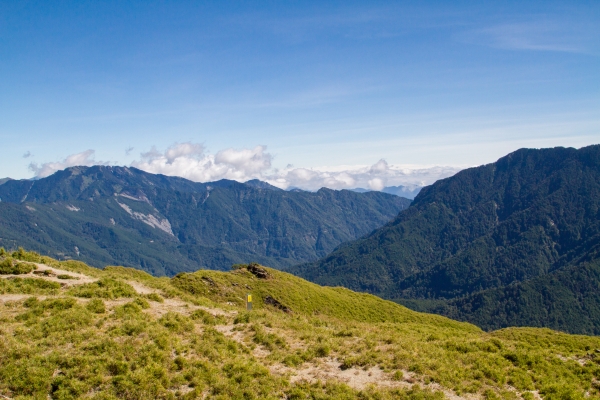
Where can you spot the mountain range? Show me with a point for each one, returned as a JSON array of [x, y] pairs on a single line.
[[164, 225], [512, 243], [409, 192]]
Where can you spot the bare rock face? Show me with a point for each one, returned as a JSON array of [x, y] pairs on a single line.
[[275, 303], [258, 271]]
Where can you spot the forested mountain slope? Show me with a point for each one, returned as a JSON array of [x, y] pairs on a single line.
[[116, 215], [501, 244]]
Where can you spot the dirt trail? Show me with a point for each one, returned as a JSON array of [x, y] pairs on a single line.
[[329, 369], [357, 378], [48, 273]]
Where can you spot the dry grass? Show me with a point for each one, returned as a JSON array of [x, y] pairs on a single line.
[[120, 333]]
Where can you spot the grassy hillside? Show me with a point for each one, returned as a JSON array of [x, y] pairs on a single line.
[[71, 331]]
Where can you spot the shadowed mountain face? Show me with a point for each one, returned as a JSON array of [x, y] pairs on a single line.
[[164, 225], [515, 242]]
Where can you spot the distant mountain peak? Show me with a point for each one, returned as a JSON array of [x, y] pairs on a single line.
[[261, 184], [409, 192]]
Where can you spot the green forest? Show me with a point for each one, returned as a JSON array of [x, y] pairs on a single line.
[[512, 243]]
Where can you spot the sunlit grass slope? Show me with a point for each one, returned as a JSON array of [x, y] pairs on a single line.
[[303, 297], [71, 331]]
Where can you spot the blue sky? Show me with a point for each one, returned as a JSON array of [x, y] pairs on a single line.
[[276, 90]]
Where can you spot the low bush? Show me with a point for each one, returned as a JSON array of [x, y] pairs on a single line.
[[155, 297], [270, 340], [105, 288], [176, 322], [207, 318], [96, 306], [65, 276], [28, 286], [143, 303], [9, 266]]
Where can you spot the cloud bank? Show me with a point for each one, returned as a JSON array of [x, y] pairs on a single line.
[[85, 158], [192, 161]]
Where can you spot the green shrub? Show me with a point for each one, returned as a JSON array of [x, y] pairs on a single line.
[[155, 297], [143, 303], [127, 309], [242, 318], [322, 350], [28, 286], [66, 321], [65, 276], [9, 266], [269, 340], [176, 322], [398, 375], [96, 306], [292, 360], [23, 255], [62, 303], [105, 288], [207, 318]]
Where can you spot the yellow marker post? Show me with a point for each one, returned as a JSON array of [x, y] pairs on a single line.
[[248, 302]]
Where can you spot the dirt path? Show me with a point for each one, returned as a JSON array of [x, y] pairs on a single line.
[[172, 305], [52, 274]]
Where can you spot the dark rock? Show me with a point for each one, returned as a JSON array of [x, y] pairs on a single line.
[[258, 271], [208, 280], [275, 303]]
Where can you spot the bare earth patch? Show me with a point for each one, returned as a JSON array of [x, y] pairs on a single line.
[[357, 378], [51, 274], [329, 370], [230, 332]]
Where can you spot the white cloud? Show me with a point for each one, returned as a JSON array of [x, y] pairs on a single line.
[[193, 162], [376, 184], [538, 35], [85, 158], [195, 151], [190, 161], [374, 177], [251, 161]]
